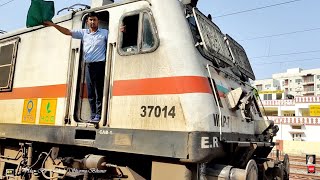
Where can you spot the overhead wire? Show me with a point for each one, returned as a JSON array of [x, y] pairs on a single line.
[[279, 62], [273, 35], [6, 3], [2, 31], [284, 54], [258, 8], [280, 34]]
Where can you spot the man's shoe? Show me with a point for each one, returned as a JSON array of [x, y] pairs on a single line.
[[96, 119], [93, 115]]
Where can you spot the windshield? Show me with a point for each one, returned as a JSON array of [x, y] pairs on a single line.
[[214, 44]]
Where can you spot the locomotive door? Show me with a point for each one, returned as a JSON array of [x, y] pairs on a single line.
[[135, 36], [85, 107]]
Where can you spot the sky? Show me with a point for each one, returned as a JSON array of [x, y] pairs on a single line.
[[278, 35]]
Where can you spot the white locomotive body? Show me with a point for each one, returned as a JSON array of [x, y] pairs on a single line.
[[176, 98]]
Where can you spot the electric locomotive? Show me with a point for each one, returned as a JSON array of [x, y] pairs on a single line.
[[177, 100]]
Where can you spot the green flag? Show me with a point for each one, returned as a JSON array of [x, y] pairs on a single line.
[[39, 12]]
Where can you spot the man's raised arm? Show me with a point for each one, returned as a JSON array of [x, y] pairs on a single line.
[[59, 28]]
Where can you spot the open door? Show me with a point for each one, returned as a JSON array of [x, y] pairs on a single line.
[[85, 106]]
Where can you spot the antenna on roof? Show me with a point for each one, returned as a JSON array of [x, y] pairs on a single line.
[[71, 8], [2, 31]]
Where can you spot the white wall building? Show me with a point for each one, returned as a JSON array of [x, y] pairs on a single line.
[[300, 82], [296, 82], [297, 118], [292, 100]]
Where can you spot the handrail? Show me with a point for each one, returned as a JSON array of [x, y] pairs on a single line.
[[71, 8], [111, 63], [217, 100], [72, 58], [258, 98]]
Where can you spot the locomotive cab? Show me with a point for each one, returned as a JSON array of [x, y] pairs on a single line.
[[134, 33], [176, 99]]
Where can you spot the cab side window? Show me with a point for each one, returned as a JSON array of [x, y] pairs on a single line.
[[8, 51], [130, 33], [137, 33], [148, 39]]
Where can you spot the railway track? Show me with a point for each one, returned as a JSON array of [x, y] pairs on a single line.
[[298, 168], [298, 176]]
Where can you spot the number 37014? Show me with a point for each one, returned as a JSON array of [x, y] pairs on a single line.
[[158, 111]]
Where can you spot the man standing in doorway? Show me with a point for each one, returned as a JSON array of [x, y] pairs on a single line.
[[94, 42]]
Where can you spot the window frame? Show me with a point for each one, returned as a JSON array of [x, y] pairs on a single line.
[[267, 86], [267, 96], [15, 41], [298, 80], [141, 13], [278, 96]]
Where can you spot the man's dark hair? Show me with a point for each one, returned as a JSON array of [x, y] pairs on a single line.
[[194, 3], [93, 14]]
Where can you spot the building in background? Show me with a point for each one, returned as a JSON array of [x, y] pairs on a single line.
[[294, 82], [292, 100]]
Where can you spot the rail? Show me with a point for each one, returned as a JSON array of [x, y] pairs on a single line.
[[73, 55], [217, 100], [298, 120], [109, 83]]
